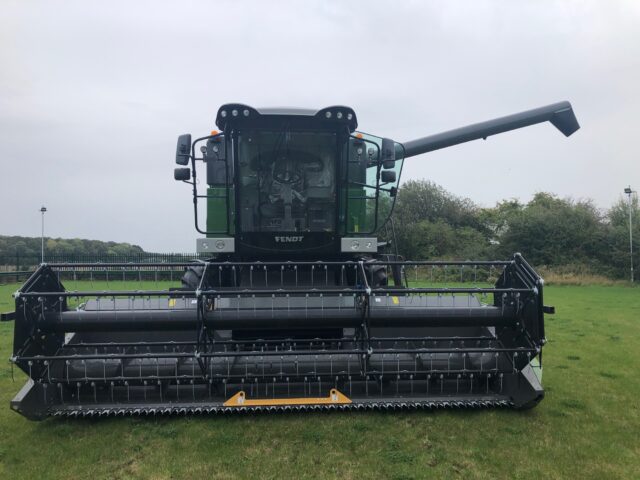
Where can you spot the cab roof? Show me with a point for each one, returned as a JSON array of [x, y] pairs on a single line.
[[231, 113]]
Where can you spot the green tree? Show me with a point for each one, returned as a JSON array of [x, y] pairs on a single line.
[[433, 223], [28, 248], [554, 231]]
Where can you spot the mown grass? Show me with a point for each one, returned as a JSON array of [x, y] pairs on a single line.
[[586, 427], [559, 276]]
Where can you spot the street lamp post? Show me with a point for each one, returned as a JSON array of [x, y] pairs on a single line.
[[42, 210], [630, 192]]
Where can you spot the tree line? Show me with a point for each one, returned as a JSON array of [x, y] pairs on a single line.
[[432, 223], [27, 247]]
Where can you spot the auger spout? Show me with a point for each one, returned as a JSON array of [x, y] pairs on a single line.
[[559, 114]]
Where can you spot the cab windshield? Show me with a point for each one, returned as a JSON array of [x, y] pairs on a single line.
[[287, 181]]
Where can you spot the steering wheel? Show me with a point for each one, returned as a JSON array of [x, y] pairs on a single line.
[[287, 177]]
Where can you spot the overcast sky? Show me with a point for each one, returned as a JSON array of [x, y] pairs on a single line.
[[94, 94]]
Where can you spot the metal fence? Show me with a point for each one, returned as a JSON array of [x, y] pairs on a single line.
[[16, 268]]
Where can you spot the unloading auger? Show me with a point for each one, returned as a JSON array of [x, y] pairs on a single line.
[[296, 303]]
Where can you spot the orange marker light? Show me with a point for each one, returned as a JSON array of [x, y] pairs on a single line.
[[359, 135], [214, 132]]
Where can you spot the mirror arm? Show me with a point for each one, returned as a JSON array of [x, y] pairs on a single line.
[[379, 187]]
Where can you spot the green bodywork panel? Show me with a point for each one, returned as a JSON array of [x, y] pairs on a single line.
[[358, 221], [217, 211]]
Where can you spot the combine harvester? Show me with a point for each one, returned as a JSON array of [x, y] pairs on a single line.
[[299, 305]]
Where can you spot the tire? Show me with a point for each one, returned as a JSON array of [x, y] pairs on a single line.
[[192, 276]]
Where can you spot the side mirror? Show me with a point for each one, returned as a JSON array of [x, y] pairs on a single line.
[[182, 174], [388, 153], [388, 165], [388, 176], [183, 149]]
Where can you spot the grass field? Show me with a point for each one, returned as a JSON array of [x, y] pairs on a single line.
[[588, 426]]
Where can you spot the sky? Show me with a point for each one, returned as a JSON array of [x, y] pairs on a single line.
[[94, 94]]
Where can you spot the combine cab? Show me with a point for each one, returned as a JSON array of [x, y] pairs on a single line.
[[299, 304]]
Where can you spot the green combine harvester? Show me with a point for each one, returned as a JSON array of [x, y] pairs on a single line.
[[300, 300]]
